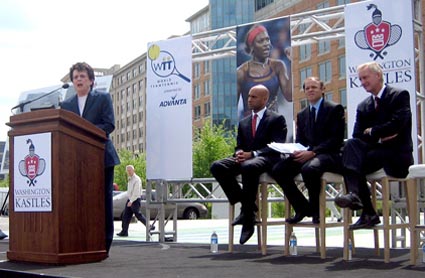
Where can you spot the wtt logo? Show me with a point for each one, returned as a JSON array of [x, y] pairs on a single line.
[[163, 63], [378, 35], [32, 165]]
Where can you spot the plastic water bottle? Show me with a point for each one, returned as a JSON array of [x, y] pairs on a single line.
[[423, 253], [350, 250], [293, 245], [214, 243]]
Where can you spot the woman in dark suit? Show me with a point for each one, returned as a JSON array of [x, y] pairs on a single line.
[[96, 107]]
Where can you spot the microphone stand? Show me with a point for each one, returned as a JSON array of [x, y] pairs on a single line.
[[22, 104]]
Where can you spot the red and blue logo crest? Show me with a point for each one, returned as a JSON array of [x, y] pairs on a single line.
[[377, 35], [32, 165]]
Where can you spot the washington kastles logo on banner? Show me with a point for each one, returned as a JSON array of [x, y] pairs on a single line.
[[378, 35], [32, 165]]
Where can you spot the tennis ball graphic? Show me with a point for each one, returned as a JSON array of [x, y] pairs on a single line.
[[153, 52]]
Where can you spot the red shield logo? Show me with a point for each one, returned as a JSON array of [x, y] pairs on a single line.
[[378, 36], [31, 166]]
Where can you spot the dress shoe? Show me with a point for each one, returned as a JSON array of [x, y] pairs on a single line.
[[247, 232], [350, 200], [2, 235], [365, 221], [297, 218], [242, 219], [152, 227], [238, 220], [316, 219], [122, 234]]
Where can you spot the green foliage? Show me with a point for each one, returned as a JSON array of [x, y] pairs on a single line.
[[128, 158], [5, 182], [211, 142]]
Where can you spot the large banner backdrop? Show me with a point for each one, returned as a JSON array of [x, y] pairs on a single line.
[[169, 109], [263, 50], [381, 32]]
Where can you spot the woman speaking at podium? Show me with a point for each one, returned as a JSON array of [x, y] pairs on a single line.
[[96, 107]]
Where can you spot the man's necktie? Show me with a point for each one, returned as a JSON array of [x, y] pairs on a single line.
[[312, 116], [377, 103], [254, 124]]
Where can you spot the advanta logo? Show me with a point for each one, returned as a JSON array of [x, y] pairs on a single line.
[[377, 35], [173, 102]]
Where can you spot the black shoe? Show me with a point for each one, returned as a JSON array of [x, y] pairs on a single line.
[[243, 219], [238, 220], [316, 219], [122, 234], [152, 227], [350, 200], [247, 232], [297, 218], [2, 235], [365, 221]]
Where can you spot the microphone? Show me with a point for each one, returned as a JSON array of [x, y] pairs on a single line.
[[22, 104]]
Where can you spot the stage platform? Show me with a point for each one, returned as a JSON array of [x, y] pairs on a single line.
[[152, 259]]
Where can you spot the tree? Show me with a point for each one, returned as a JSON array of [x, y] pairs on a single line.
[[211, 142], [128, 158]]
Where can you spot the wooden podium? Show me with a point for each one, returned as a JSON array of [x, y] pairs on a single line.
[[74, 230]]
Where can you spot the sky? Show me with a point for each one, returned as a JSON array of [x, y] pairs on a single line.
[[40, 40]]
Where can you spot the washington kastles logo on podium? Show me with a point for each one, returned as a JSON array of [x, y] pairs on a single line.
[[32, 165], [378, 35]]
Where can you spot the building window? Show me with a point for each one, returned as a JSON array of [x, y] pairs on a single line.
[[303, 103], [197, 91], [329, 96], [341, 67], [305, 52], [304, 73], [197, 70], [324, 4], [342, 2], [343, 94], [206, 88], [259, 4], [128, 75], [325, 71], [197, 112], [341, 43], [207, 109], [142, 68], [135, 72], [206, 66], [324, 47]]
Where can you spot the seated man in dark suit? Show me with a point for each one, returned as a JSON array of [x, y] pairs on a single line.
[[382, 138], [252, 157], [320, 127]]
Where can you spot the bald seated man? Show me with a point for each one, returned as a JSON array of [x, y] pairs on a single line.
[[252, 157]]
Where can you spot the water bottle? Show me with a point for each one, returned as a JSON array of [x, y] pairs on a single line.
[[214, 243], [350, 250], [423, 253], [293, 245]]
